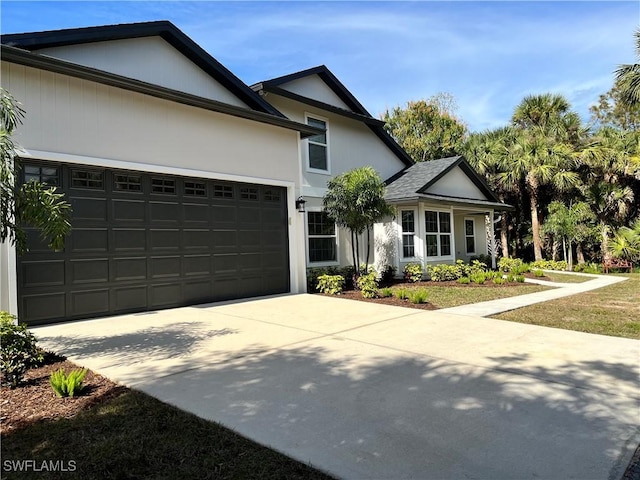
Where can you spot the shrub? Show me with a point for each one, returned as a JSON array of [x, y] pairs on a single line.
[[412, 272], [498, 281], [388, 274], [18, 350], [368, 284], [478, 277], [588, 268], [330, 284], [314, 272], [401, 294], [520, 278], [478, 266], [511, 277], [483, 257], [67, 385], [418, 296], [464, 280], [386, 292], [443, 273], [521, 269], [549, 265], [491, 274], [508, 264], [537, 273]]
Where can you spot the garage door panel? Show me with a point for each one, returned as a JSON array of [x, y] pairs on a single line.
[[89, 302], [43, 273], [129, 239], [129, 210], [129, 268], [164, 212], [143, 241], [89, 208], [165, 294], [130, 298], [163, 240], [88, 240], [35, 242], [42, 307], [91, 270]]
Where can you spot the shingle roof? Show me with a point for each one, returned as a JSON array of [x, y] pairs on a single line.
[[408, 182]]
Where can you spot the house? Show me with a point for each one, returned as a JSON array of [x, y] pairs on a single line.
[[184, 181]]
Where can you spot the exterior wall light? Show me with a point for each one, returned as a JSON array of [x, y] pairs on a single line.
[[300, 204]]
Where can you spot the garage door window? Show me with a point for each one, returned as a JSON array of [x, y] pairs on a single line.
[[166, 186], [223, 191], [87, 179], [271, 195], [47, 175], [195, 189], [249, 193], [128, 183]]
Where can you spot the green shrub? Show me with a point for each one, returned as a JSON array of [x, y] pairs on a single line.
[[491, 274], [537, 273], [464, 280], [588, 268], [368, 284], [418, 296], [521, 269], [511, 277], [412, 272], [401, 293], [520, 278], [443, 273], [67, 385], [18, 350], [314, 272], [477, 266], [386, 292], [478, 277], [484, 258], [388, 274], [330, 284], [549, 264], [508, 264], [498, 281]]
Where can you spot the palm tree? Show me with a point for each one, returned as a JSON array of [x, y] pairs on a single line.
[[629, 77], [32, 203]]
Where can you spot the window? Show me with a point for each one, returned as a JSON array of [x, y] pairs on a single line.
[[87, 179], [222, 191], [271, 195], [408, 233], [128, 183], [165, 186], [318, 147], [47, 175], [470, 235], [438, 236], [195, 189], [322, 238], [248, 193]]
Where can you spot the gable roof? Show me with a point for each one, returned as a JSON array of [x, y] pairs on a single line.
[[357, 112], [34, 41], [413, 182]]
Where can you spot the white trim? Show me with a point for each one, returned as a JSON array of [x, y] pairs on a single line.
[[308, 115], [475, 240], [148, 167], [309, 263]]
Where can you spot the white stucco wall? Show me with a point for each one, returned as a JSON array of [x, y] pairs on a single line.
[[313, 87], [456, 183], [150, 59]]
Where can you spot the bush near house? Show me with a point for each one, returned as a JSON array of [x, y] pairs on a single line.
[[18, 350], [413, 272], [368, 284], [330, 284]]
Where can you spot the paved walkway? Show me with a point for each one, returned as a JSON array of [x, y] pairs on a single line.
[[363, 390], [493, 307]]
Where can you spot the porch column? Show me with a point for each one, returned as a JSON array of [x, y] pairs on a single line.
[[493, 240]]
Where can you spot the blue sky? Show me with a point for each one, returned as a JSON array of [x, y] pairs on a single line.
[[488, 55]]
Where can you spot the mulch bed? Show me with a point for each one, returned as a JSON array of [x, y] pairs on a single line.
[[35, 401]]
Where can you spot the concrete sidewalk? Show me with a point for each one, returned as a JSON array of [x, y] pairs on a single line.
[[493, 307], [373, 391]]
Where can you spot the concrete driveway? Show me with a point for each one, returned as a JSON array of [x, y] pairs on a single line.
[[371, 391]]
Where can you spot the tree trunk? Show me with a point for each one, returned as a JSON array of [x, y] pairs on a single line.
[[570, 257], [368, 249], [353, 254], [580, 253], [535, 223], [604, 242], [554, 250], [564, 249]]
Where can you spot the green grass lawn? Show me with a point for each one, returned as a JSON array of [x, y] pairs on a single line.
[[612, 310], [449, 296], [136, 436], [565, 278]]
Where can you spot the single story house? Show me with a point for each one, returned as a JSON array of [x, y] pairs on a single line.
[[186, 183]]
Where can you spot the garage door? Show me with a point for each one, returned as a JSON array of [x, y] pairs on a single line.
[[142, 242]]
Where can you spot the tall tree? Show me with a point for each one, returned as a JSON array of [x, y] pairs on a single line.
[[612, 111], [628, 76], [427, 129], [355, 200], [570, 224], [32, 203]]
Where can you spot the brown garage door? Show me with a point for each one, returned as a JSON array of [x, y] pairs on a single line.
[[142, 241]]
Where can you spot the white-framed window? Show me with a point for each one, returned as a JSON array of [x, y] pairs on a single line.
[[470, 235], [318, 146], [322, 238], [408, 225], [438, 233]]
